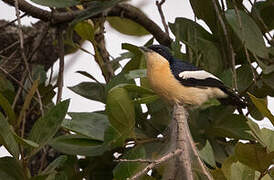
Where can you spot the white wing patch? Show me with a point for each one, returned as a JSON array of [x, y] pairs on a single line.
[[201, 74]]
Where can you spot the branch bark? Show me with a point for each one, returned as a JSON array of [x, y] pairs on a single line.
[[121, 10]]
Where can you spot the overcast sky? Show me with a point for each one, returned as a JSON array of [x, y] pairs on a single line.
[[84, 62]]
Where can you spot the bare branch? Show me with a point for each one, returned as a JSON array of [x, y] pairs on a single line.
[[60, 80], [159, 6], [156, 163], [180, 133]]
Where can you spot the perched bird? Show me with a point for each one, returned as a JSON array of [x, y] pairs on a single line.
[[180, 82]]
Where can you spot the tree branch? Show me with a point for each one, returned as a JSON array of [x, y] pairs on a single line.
[[124, 10]]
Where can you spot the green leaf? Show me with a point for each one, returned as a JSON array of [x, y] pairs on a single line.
[[57, 163], [7, 136], [255, 131], [121, 113], [126, 170], [207, 154], [91, 125], [146, 99], [139, 73], [77, 145], [27, 101], [226, 166], [10, 169], [248, 32], [94, 8], [264, 9], [38, 72], [117, 80], [86, 74], [25, 141], [127, 26], [136, 62], [212, 60], [56, 3], [241, 171], [262, 107], [47, 126], [232, 126], [90, 90], [85, 30], [268, 139], [269, 79], [205, 10], [254, 155], [4, 103], [187, 30], [244, 77]]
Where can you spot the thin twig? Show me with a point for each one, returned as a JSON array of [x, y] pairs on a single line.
[[251, 67], [21, 39], [11, 22], [18, 91], [60, 80], [159, 6], [156, 163], [136, 160], [266, 29], [229, 44]]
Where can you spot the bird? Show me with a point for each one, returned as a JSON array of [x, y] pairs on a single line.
[[182, 83]]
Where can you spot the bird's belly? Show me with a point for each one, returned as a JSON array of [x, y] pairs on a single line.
[[164, 84]]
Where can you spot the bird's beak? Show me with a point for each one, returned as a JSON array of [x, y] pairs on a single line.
[[145, 49]]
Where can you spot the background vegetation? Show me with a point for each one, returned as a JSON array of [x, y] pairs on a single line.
[[46, 145]]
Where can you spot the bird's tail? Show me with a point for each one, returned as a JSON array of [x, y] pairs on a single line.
[[233, 98]]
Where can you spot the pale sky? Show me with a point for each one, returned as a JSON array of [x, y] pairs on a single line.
[[84, 62]]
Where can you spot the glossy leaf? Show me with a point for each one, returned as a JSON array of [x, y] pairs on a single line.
[[121, 114], [85, 30], [207, 154], [126, 170], [255, 131], [232, 126], [56, 3], [205, 10], [248, 31], [117, 80], [77, 145], [27, 101], [94, 8], [254, 155], [241, 171], [244, 77], [268, 139], [47, 126], [262, 107], [139, 73], [90, 90], [187, 30], [10, 169], [7, 136], [127, 26], [91, 125]]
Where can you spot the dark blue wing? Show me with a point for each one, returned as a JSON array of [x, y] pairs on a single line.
[[179, 66]]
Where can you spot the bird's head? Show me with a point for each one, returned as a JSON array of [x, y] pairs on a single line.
[[159, 49]]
